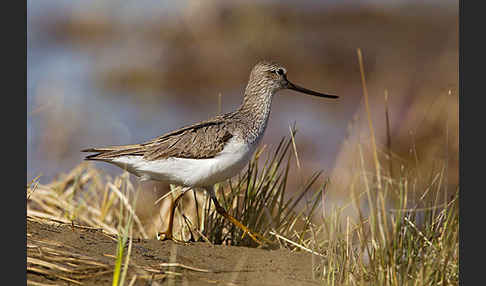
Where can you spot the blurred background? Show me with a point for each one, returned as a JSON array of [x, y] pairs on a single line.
[[123, 72]]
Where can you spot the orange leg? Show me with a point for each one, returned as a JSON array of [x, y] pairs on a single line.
[[255, 236]]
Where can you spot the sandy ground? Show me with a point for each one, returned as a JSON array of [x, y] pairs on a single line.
[[57, 253]]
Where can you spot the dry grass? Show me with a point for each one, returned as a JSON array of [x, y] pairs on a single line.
[[81, 197], [400, 235], [46, 258], [56, 260]]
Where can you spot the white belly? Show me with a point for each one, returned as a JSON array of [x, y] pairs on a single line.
[[192, 172]]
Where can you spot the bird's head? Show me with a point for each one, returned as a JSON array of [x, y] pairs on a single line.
[[270, 77]]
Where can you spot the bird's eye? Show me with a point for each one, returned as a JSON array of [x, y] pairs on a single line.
[[280, 71]]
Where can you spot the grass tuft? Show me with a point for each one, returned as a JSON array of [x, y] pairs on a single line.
[[260, 200]]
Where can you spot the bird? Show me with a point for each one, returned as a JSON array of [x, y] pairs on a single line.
[[208, 152]]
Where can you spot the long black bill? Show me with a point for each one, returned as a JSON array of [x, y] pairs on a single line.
[[308, 91]]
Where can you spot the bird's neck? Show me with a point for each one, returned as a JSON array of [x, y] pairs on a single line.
[[254, 112]]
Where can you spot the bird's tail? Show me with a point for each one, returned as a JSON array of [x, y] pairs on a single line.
[[111, 152]]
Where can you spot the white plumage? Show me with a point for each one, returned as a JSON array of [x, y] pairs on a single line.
[[192, 172]]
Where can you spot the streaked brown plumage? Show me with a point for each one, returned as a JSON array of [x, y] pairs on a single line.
[[199, 141]]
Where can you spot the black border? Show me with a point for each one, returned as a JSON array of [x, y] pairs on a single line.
[[19, 92], [471, 91]]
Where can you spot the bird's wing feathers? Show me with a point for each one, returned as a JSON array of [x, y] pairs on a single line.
[[201, 140]]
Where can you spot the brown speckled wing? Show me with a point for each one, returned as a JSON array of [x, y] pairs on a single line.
[[203, 140], [198, 141]]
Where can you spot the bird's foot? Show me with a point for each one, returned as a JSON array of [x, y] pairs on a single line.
[[253, 235], [168, 236], [164, 236]]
